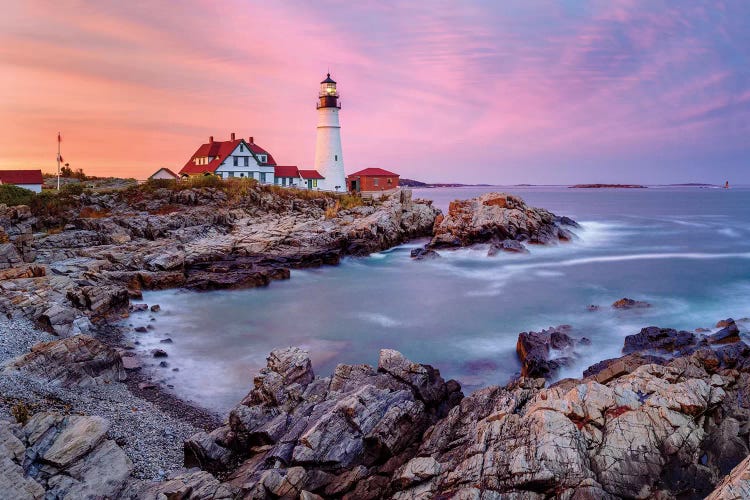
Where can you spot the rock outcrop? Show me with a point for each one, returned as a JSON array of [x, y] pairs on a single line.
[[498, 217], [73, 361], [640, 426], [65, 457], [543, 353], [83, 264], [342, 435]]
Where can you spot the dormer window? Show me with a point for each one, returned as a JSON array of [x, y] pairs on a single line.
[[263, 158], [242, 148]]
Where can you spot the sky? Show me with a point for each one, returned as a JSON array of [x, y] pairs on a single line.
[[518, 91]]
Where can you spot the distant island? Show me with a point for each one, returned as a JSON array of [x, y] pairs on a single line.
[[412, 183], [608, 186]]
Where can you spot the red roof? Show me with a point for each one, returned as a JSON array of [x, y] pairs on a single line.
[[310, 174], [220, 150], [285, 171], [21, 177], [373, 172]]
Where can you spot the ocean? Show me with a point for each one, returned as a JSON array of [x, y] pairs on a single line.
[[686, 251]]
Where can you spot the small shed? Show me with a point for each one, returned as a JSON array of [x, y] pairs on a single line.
[[310, 178], [372, 181], [164, 173], [27, 179]]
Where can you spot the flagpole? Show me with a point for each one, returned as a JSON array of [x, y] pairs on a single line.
[[58, 161]]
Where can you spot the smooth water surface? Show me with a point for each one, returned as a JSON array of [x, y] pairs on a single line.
[[684, 250]]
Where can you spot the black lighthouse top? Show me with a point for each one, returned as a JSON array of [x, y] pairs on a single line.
[[328, 97]]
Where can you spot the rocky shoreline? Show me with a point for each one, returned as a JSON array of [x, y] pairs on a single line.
[[668, 419]]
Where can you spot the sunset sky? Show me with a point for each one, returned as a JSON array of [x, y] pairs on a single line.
[[527, 91]]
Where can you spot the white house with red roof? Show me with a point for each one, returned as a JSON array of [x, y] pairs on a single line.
[[240, 158], [27, 179], [233, 158]]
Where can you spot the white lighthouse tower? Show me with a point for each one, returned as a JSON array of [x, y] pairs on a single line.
[[329, 160]]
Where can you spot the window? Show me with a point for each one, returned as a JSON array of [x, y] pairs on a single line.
[[283, 181], [336, 157], [247, 161], [263, 177], [236, 161], [242, 148], [242, 174], [376, 182], [390, 181], [315, 182], [262, 158]]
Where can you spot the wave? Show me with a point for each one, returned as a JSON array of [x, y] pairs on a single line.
[[630, 257]]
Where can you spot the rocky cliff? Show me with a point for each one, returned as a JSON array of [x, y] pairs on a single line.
[[81, 262], [639, 427]]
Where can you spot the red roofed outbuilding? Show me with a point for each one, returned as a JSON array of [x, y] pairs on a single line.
[[27, 179], [372, 181]]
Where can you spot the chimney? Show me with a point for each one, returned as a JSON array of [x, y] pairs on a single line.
[[232, 136], [250, 139], [210, 139]]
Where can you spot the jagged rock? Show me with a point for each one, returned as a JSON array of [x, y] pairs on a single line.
[[736, 485], [424, 254], [155, 308], [728, 334], [534, 349], [295, 432], [724, 323], [496, 216], [159, 353], [57, 456], [191, 484], [665, 340], [626, 303], [609, 369], [74, 361], [511, 246]]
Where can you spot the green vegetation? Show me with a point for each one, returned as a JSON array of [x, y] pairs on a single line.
[[13, 195]]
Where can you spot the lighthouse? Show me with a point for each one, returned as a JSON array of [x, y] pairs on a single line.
[[329, 160]]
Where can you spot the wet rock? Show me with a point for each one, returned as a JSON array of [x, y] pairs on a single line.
[[155, 308], [131, 363], [498, 217], [136, 308], [665, 340], [592, 308], [140, 329], [610, 369], [724, 323], [166, 341], [626, 303], [164, 364], [74, 361], [730, 333], [159, 353], [507, 245], [424, 254], [534, 350]]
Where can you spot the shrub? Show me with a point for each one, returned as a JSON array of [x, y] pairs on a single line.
[[13, 195], [160, 183], [75, 188], [350, 201], [20, 412], [93, 213], [333, 210]]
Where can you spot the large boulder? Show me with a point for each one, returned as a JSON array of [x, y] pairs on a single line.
[[543, 353], [74, 361], [659, 340], [497, 217]]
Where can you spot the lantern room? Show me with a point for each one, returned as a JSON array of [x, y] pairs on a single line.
[[328, 96]]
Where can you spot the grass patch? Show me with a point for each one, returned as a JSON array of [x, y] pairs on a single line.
[[93, 213], [13, 195]]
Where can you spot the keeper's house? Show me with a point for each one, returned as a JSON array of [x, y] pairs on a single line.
[[27, 179], [240, 158], [372, 181]]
